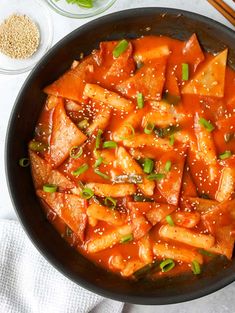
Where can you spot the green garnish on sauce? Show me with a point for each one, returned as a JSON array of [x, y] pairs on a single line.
[[185, 71], [196, 267], [170, 220], [24, 162], [80, 170], [103, 175], [127, 238], [87, 193], [37, 146], [120, 48], [167, 265], [149, 128], [75, 155], [225, 155], [206, 124], [168, 166], [140, 100], [98, 138], [148, 166], [49, 188], [109, 145], [110, 202]]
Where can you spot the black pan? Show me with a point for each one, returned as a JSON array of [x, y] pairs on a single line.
[[130, 24]]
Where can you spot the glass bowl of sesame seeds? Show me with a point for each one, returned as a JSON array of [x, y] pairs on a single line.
[[80, 8], [26, 34]]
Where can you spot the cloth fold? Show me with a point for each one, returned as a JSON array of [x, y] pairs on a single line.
[[29, 284]]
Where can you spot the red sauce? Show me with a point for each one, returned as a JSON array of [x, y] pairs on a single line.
[[197, 169]]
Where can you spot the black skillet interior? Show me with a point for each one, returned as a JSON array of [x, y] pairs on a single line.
[[129, 24]]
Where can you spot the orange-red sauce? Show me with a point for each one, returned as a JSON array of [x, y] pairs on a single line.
[[194, 182]]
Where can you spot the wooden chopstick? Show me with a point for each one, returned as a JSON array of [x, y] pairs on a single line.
[[224, 9]]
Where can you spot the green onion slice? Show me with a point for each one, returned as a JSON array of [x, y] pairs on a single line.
[[127, 238], [225, 155], [83, 124], [196, 267], [143, 271], [206, 124], [75, 155], [167, 265], [170, 220], [120, 48], [98, 138], [149, 128], [206, 253], [38, 146], [166, 131], [172, 140], [168, 166], [148, 166], [98, 162], [83, 3], [80, 170], [87, 193], [140, 100], [110, 202], [24, 162], [156, 176], [103, 175], [109, 145], [49, 188], [185, 71]]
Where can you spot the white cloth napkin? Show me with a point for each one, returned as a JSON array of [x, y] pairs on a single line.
[[29, 284]]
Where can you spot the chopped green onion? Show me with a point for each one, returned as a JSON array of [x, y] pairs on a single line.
[[131, 178], [98, 162], [68, 231], [110, 202], [83, 168], [170, 220], [155, 176], [168, 166], [120, 48], [196, 267], [171, 99], [126, 238], [73, 153], [167, 131], [185, 71], [141, 198], [38, 146], [206, 253], [98, 138], [140, 100], [49, 188], [83, 124], [149, 128], [109, 145], [87, 193], [172, 140], [167, 265], [24, 162], [127, 125], [206, 124], [83, 3], [225, 155], [103, 175], [148, 166]]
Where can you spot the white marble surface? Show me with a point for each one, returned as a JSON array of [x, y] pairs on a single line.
[[219, 302]]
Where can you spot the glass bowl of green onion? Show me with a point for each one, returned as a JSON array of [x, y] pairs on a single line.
[[80, 8]]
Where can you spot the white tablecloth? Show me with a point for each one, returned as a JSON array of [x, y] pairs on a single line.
[[10, 86]]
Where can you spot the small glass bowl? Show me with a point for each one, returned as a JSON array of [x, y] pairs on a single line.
[[39, 13], [74, 11]]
